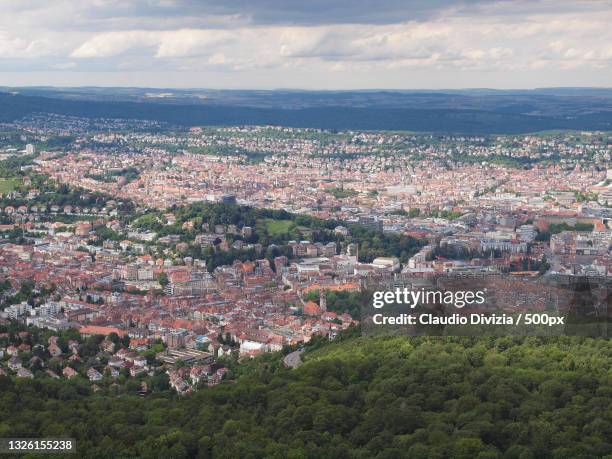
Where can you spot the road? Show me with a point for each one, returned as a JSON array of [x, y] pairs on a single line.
[[293, 359]]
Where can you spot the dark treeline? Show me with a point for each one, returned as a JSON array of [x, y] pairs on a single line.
[[357, 398]]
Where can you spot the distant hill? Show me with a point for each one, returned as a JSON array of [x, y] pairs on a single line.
[[467, 112]]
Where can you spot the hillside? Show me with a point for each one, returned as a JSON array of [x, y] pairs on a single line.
[[358, 397], [477, 114]]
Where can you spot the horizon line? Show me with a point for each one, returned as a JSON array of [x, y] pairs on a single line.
[[188, 88]]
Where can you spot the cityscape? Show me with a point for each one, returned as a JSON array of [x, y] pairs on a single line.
[[155, 243], [306, 230]]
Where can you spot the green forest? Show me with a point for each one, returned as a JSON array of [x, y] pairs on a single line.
[[356, 397]]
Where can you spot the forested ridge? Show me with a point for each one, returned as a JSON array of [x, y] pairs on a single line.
[[476, 115], [356, 398]]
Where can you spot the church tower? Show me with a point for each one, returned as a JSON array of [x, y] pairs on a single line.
[[322, 300]]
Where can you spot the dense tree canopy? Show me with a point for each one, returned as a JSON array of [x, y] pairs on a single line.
[[359, 397]]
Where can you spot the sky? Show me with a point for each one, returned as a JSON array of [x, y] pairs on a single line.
[[308, 44]]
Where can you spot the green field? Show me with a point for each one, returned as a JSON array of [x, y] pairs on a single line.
[[275, 227], [8, 185], [341, 193]]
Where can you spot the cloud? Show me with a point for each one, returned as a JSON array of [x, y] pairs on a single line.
[[191, 42], [456, 42], [113, 43], [64, 65], [198, 13], [18, 47], [168, 44], [382, 41]]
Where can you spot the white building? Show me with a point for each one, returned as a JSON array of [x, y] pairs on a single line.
[[17, 310], [527, 233], [390, 263]]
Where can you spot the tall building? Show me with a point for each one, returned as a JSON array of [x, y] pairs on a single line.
[[227, 199], [30, 149], [370, 222], [17, 310], [176, 338], [527, 233]]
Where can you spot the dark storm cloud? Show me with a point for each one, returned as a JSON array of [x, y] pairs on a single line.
[[277, 12], [330, 11]]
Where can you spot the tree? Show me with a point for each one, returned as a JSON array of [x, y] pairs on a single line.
[[163, 280]]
